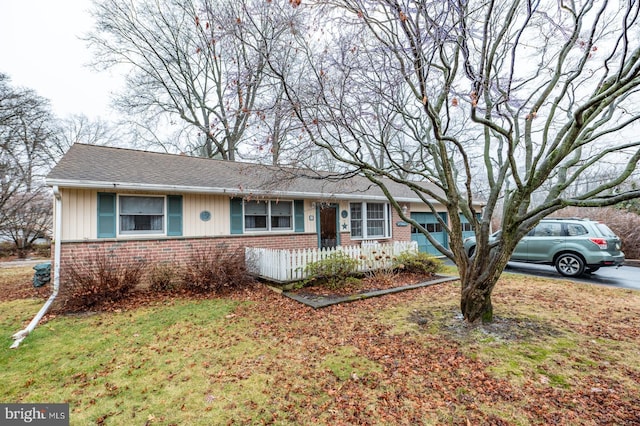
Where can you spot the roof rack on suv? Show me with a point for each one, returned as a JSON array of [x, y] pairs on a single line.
[[567, 218]]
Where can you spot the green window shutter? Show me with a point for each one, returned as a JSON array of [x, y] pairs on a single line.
[[106, 215], [236, 215], [174, 215], [298, 208]]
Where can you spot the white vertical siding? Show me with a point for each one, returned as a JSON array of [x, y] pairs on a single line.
[[216, 205], [309, 211], [79, 216]]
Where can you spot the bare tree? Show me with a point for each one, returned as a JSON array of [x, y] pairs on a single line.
[[79, 128], [31, 219], [197, 66], [275, 126], [525, 95], [27, 130]]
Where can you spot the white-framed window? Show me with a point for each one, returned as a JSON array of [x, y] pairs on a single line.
[[268, 215], [141, 214], [370, 220]]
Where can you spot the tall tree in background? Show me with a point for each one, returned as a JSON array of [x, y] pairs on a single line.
[[199, 63], [79, 128], [27, 130], [32, 139], [30, 219], [527, 95]]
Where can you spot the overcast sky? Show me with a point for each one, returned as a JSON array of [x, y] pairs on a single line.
[[40, 50]]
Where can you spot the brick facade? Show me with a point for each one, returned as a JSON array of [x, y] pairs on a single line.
[[178, 250]]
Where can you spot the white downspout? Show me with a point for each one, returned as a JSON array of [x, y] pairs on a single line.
[[20, 335]]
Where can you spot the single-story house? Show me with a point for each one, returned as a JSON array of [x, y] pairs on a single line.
[[162, 206]]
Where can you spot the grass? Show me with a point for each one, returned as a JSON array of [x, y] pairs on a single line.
[[117, 364], [558, 352]]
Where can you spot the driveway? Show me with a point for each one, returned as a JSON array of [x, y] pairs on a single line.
[[623, 277]]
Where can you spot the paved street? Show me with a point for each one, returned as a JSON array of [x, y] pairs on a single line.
[[23, 262]]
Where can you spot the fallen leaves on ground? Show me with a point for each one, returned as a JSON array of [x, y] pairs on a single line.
[[420, 377], [16, 283], [423, 375]]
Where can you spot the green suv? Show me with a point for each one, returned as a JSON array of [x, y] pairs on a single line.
[[573, 246]]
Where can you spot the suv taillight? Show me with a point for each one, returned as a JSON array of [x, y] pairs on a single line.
[[600, 242]]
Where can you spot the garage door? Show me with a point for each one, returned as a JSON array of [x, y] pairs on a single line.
[[467, 230], [430, 223]]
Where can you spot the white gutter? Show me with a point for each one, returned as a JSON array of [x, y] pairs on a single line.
[[20, 335], [222, 191]]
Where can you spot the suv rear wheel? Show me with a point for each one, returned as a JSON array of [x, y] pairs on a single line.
[[570, 265]]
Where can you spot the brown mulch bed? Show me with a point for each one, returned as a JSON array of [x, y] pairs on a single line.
[[22, 288], [316, 294], [322, 295]]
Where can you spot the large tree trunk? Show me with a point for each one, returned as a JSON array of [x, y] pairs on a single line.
[[478, 277], [475, 302]]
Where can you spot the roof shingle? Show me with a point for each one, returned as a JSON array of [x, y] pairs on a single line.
[[110, 168]]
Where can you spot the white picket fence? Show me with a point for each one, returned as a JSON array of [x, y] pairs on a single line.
[[290, 265]]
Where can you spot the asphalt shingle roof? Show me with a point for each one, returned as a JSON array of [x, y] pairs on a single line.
[[111, 168]]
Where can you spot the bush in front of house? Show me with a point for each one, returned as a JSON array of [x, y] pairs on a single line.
[[333, 271], [417, 262], [106, 276], [215, 270], [164, 277]]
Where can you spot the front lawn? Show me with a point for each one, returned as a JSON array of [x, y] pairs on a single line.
[[558, 353]]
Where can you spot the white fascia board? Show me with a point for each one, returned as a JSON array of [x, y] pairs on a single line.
[[129, 186], [64, 183]]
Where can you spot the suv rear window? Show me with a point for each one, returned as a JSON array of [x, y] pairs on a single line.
[[606, 231], [574, 229]]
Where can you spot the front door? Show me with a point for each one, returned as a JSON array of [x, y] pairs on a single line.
[[328, 224]]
